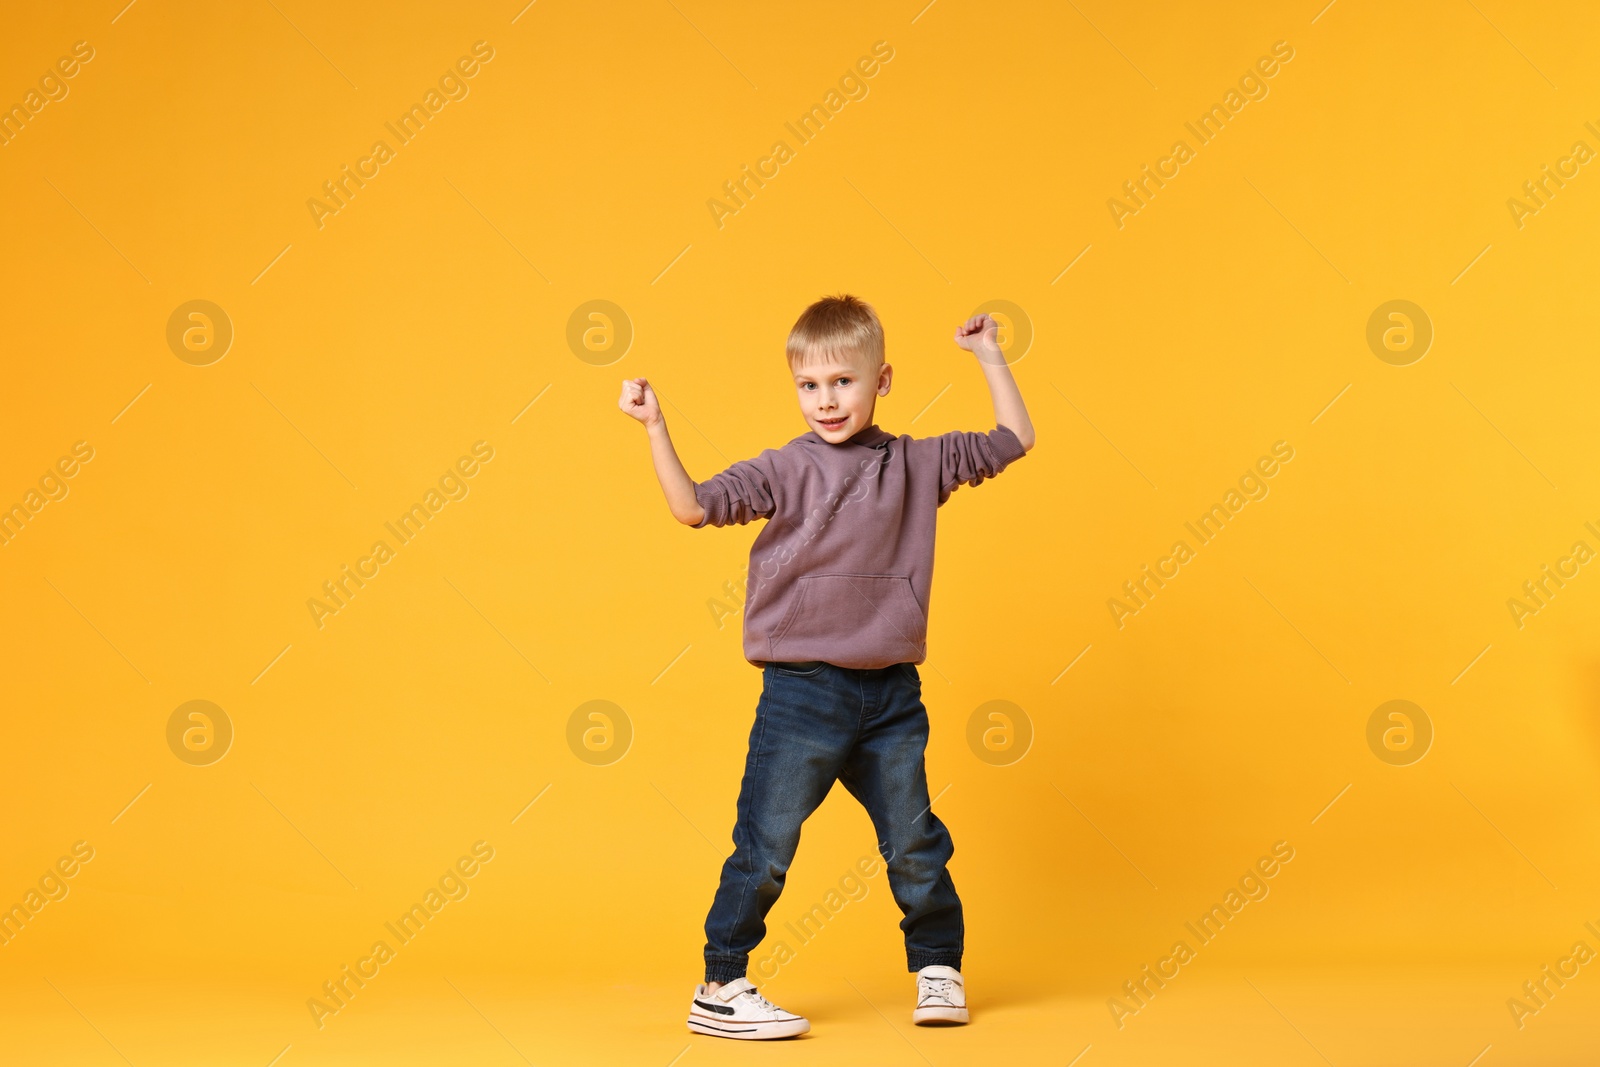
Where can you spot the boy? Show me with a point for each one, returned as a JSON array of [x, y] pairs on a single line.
[[835, 615]]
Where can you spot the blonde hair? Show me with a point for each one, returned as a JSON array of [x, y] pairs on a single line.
[[841, 327]]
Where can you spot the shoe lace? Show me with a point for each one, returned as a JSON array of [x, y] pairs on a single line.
[[938, 987], [758, 1001]]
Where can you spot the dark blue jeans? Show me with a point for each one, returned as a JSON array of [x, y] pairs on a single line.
[[815, 723]]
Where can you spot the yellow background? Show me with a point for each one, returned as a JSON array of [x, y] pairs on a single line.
[[428, 313]]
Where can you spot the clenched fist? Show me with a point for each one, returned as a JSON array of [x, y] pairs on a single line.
[[980, 336], [639, 401]]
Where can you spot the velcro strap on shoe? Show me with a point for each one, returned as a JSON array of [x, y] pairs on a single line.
[[733, 989]]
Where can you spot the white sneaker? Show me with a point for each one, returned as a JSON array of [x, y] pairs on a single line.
[[737, 1010], [941, 997]]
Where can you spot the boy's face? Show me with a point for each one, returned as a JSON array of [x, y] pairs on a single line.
[[836, 399]]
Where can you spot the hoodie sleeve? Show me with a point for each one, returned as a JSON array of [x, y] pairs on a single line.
[[745, 491], [967, 457]]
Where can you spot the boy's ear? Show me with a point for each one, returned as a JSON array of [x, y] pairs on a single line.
[[885, 375]]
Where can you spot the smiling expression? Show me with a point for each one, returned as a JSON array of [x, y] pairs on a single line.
[[837, 400]]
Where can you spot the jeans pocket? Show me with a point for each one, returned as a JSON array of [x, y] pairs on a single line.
[[800, 669]]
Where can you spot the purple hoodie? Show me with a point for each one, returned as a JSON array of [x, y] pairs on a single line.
[[843, 569]]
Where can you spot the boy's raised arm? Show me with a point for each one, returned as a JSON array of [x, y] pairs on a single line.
[[639, 401], [978, 336]]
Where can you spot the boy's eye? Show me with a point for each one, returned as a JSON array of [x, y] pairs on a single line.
[[844, 381]]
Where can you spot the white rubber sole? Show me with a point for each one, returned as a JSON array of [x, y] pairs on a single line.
[[747, 1031], [940, 1016]]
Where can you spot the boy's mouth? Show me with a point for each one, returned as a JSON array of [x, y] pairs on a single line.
[[834, 424]]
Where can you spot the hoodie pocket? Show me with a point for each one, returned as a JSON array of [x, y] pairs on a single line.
[[834, 615]]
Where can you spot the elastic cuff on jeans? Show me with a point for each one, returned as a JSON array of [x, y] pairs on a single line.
[[725, 969], [915, 961]]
